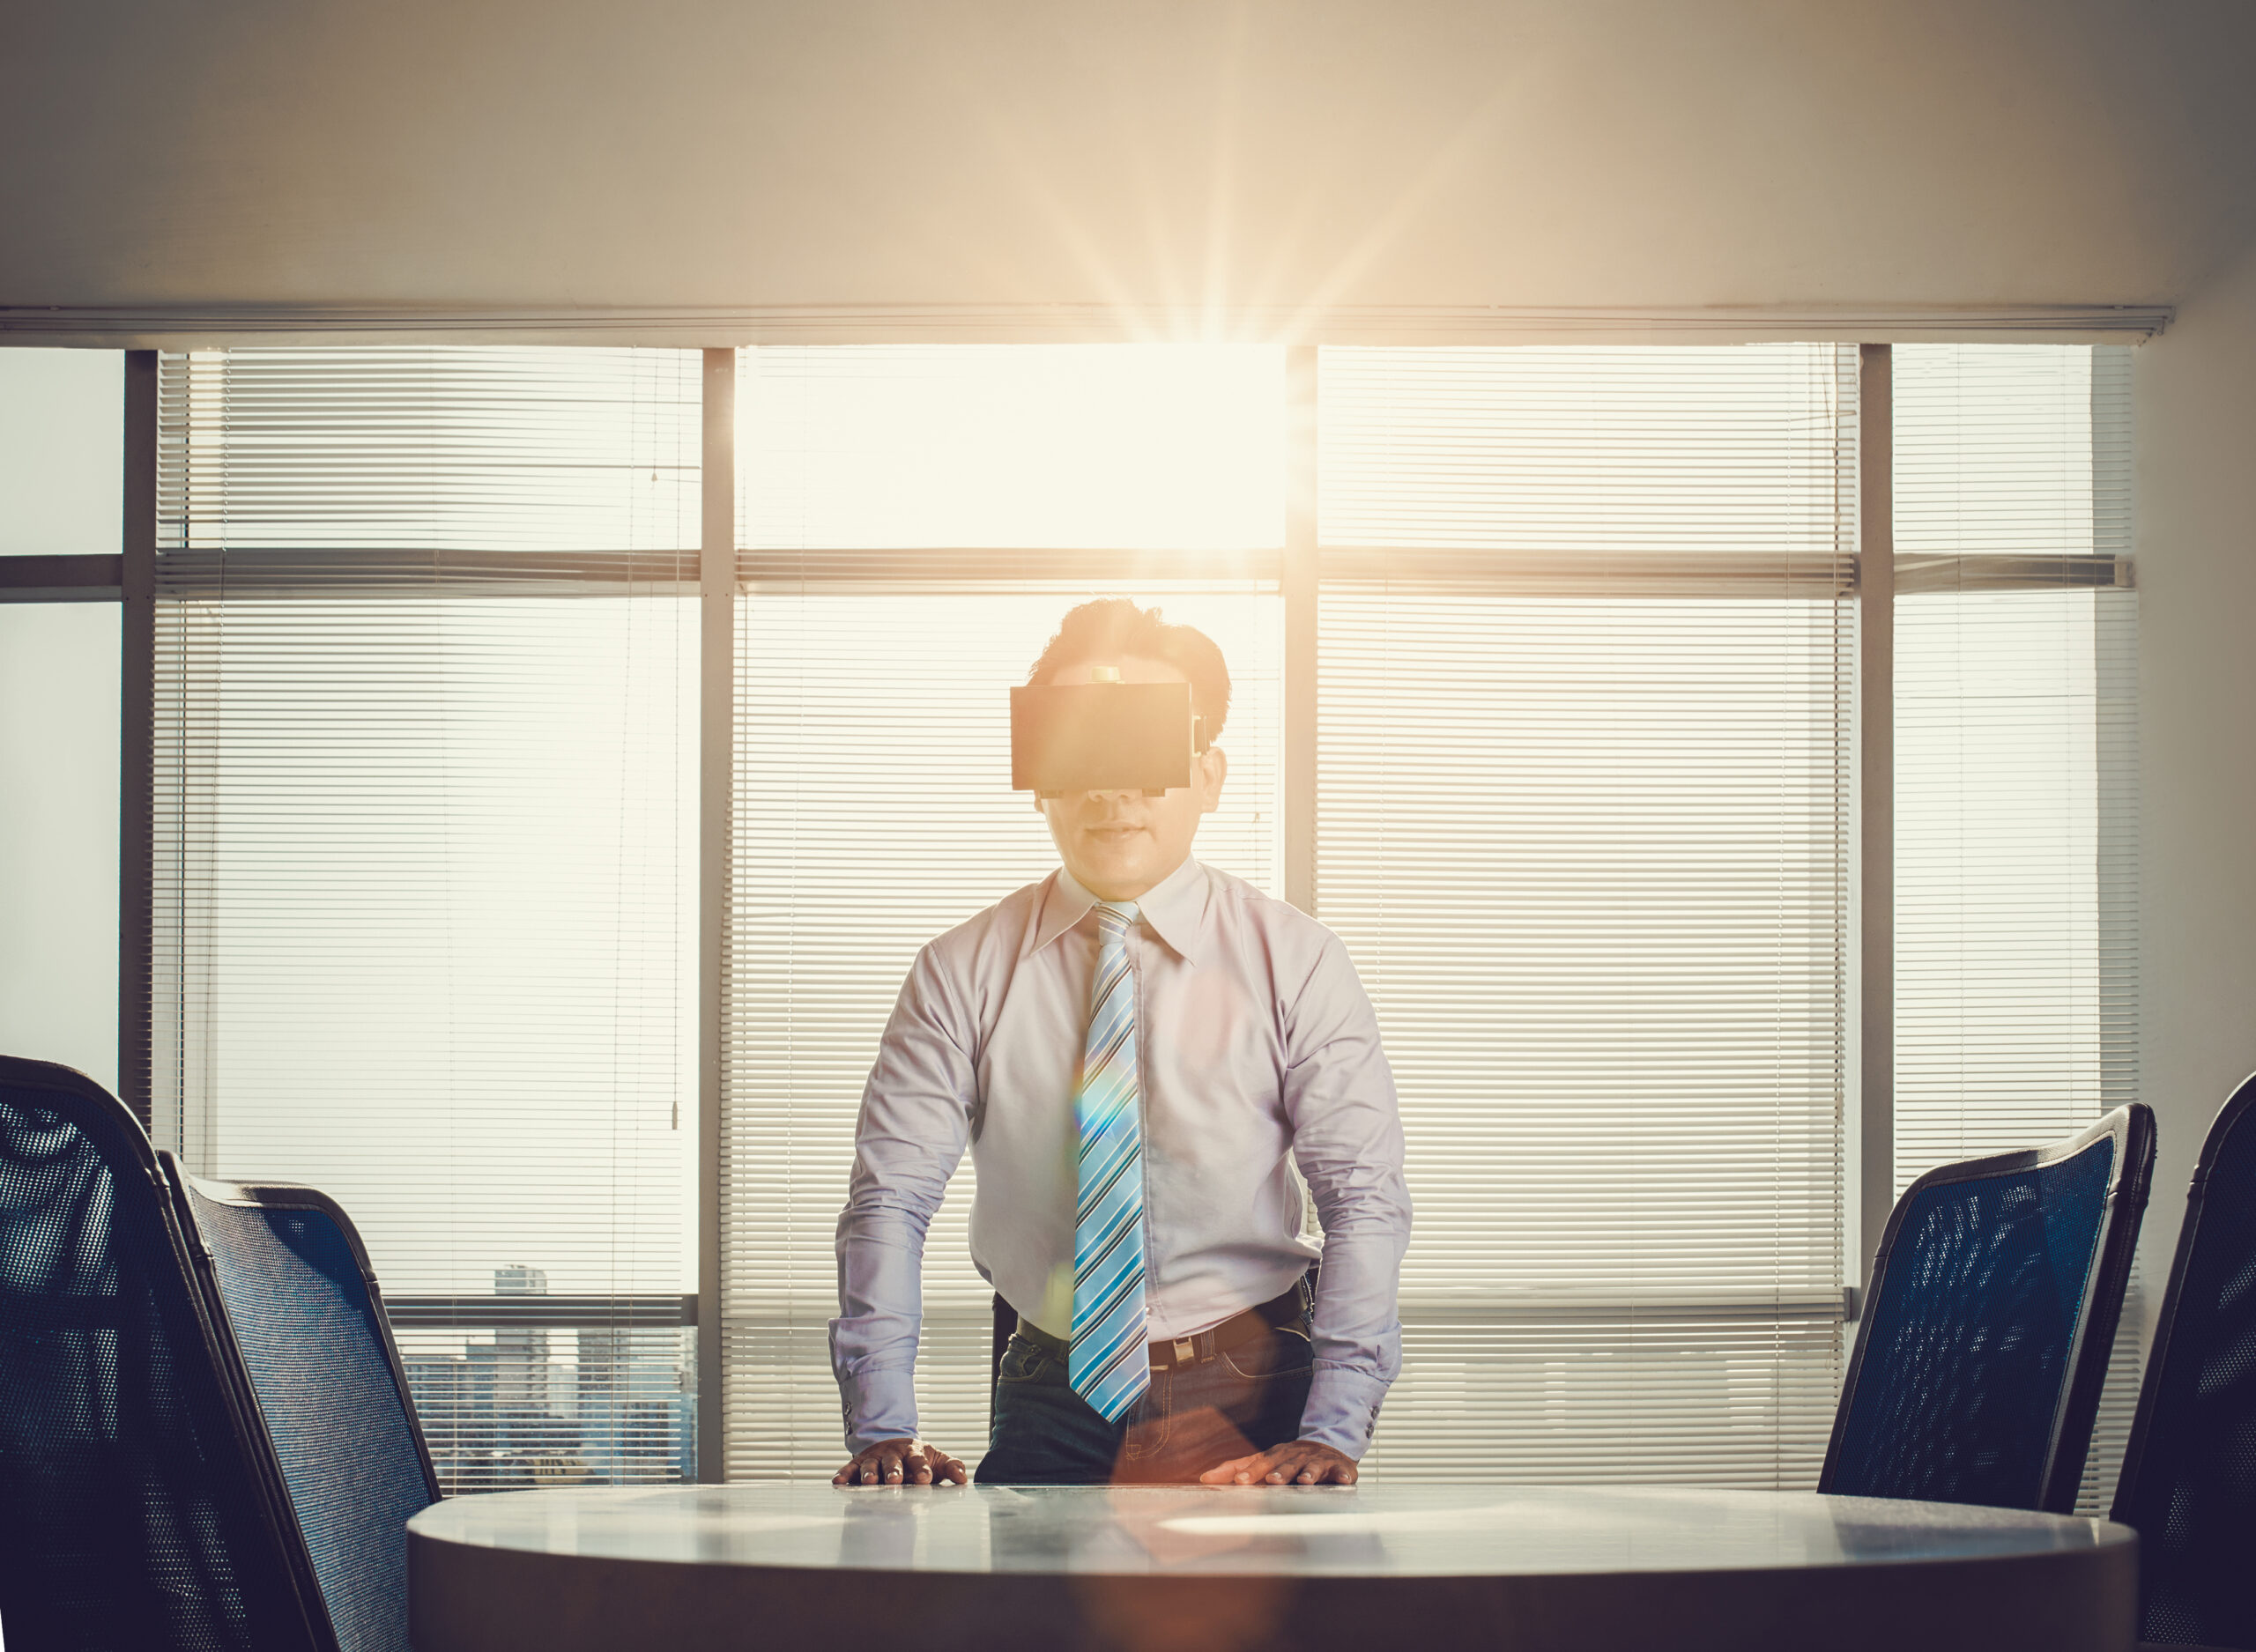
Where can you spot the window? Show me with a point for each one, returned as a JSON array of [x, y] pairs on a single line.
[[2016, 799], [59, 462], [1583, 679], [425, 864], [1571, 637]]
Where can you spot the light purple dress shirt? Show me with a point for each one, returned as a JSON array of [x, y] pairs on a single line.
[[1258, 1050]]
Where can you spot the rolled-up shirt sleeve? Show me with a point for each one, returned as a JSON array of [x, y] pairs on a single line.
[[1339, 1092], [913, 1123]]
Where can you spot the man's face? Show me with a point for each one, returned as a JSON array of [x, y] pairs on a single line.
[[1120, 843]]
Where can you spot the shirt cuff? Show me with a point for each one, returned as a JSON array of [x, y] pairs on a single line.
[[878, 1405], [1342, 1408]]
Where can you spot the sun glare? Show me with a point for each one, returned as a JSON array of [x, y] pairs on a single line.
[[1134, 446]]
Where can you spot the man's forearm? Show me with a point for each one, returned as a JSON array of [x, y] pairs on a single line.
[[909, 1135], [1357, 1330], [1348, 1140], [874, 1340]]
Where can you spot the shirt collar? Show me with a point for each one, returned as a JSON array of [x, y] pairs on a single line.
[[1175, 907]]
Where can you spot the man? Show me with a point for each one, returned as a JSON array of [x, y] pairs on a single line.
[[1137, 1050]]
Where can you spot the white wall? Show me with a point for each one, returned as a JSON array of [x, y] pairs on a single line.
[[2195, 407], [1582, 152]]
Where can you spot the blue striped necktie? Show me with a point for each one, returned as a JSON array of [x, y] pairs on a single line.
[[1108, 1366]]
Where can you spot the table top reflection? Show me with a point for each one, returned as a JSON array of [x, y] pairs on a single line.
[[1369, 1530]]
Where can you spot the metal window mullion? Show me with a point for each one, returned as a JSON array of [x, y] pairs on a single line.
[[716, 776], [64, 578], [136, 737], [1876, 797]]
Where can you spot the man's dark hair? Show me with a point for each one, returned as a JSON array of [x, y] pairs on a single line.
[[1112, 627]]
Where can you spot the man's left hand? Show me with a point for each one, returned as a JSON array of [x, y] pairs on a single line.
[[1300, 1463]]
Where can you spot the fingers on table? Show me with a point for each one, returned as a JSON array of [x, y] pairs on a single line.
[[1304, 1465], [934, 1467], [880, 1465], [902, 1463], [1262, 1467]]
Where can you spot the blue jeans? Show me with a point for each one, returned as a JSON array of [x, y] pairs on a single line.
[[1240, 1401]]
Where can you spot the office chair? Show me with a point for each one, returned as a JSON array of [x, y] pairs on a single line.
[[207, 1439], [2189, 1472], [1995, 1292], [135, 1511], [287, 1269]]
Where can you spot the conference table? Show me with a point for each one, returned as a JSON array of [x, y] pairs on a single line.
[[1378, 1567]]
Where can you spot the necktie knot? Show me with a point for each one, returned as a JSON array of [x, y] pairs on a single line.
[[1115, 918]]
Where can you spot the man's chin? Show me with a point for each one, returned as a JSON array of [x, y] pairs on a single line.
[[1132, 870]]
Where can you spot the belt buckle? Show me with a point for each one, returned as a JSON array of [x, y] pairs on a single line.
[[1185, 1350]]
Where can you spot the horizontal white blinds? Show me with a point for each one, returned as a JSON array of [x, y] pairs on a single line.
[[1604, 455], [425, 870], [2016, 790], [1589, 853], [2015, 766], [441, 449], [2000, 1037], [1994, 453]]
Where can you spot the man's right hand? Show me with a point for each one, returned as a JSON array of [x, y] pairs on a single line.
[[901, 1462]]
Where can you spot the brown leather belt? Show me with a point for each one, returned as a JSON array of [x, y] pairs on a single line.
[[1277, 1314]]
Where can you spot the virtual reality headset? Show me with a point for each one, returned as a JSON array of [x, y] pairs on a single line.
[[1103, 737]]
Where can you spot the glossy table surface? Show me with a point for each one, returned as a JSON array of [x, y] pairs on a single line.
[[688, 1567], [1423, 1530]]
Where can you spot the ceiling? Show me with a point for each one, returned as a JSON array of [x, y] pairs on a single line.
[[1200, 162]]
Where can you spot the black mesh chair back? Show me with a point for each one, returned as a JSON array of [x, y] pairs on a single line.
[[1995, 1292], [290, 1275], [2189, 1472], [135, 1509]]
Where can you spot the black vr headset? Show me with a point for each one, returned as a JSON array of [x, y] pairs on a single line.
[[1103, 737]]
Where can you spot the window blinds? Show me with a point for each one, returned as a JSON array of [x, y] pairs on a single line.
[[424, 869], [911, 522], [425, 833], [2016, 801], [2016, 769], [1585, 661]]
